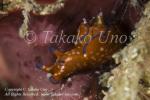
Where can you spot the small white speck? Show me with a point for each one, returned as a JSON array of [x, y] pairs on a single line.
[[97, 72], [69, 80], [127, 89], [49, 75], [100, 14], [68, 59], [85, 55], [62, 86], [84, 21], [63, 67], [85, 98]]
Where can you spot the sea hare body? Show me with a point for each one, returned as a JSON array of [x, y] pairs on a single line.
[[88, 53]]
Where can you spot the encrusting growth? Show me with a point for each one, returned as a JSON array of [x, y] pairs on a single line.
[[131, 79]]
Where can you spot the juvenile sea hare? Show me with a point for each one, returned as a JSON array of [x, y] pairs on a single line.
[[88, 53]]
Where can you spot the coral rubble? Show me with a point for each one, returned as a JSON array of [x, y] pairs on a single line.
[[131, 79]]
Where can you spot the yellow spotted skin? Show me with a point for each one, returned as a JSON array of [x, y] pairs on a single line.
[[96, 52]]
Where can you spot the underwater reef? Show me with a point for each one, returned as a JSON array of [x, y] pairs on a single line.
[[125, 77]]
